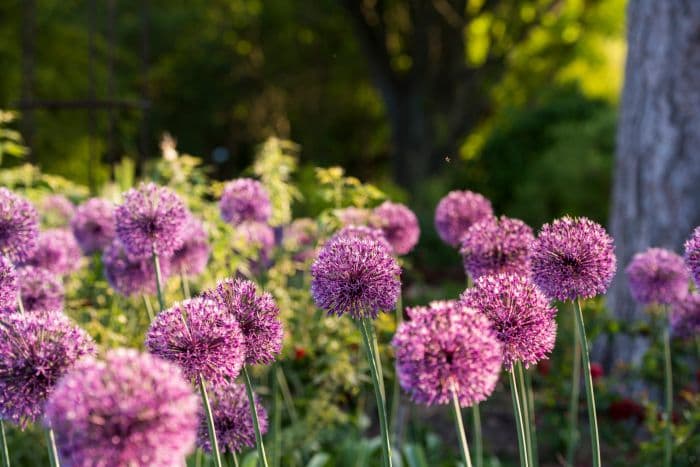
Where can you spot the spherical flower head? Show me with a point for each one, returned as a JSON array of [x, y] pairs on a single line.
[[245, 199], [57, 252], [497, 245], [399, 225], [40, 289], [130, 409], [93, 225], [193, 254], [19, 226], [692, 255], [357, 276], [685, 316], [300, 237], [57, 210], [657, 276], [573, 258], [9, 285], [520, 314], [201, 338], [35, 351], [369, 233], [447, 346], [354, 216], [150, 220], [129, 275], [232, 419], [457, 211], [262, 237]]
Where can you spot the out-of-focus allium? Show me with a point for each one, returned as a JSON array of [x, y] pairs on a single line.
[[35, 351], [259, 235], [201, 338], [457, 211], [19, 226], [9, 285], [257, 316], [129, 275], [150, 220], [692, 255], [447, 346], [573, 258], [521, 315], [232, 419], [40, 289], [93, 225], [193, 254], [245, 199], [354, 216], [57, 252], [657, 276], [685, 316], [497, 245], [300, 237], [57, 210], [130, 409], [399, 225], [367, 233], [356, 276]]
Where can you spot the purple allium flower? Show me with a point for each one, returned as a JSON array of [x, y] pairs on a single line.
[[521, 315], [495, 245], [399, 224], [657, 276], [354, 216], [685, 316], [40, 289], [57, 210], [57, 252], [692, 255], [93, 225], [356, 276], [9, 285], [457, 211], [300, 237], [262, 237], [447, 346], [573, 258], [129, 275], [257, 316], [35, 351], [364, 232], [150, 220], [130, 409], [232, 419], [201, 338], [19, 226], [193, 254], [245, 199]]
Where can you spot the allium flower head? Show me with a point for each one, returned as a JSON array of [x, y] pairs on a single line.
[[193, 254], [201, 338], [93, 225], [447, 346], [150, 220], [19, 226], [35, 351], [130, 409], [457, 211], [129, 275], [355, 275], [9, 285], [573, 258], [259, 235], [40, 289], [364, 232], [232, 419], [685, 316], [520, 314], [245, 199], [354, 216], [657, 276], [692, 255], [300, 237], [57, 210], [399, 225], [57, 252], [496, 245], [257, 315]]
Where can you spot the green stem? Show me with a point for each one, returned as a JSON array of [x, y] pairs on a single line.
[[464, 447], [478, 444], [210, 423], [573, 403], [286, 395], [184, 284], [234, 456], [377, 357], [396, 392], [588, 380], [20, 303], [198, 458], [254, 413], [519, 423], [276, 418], [5, 450], [527, 420], [53, 451], [149, 307], [668, 377], [533, 422], [159, 281]]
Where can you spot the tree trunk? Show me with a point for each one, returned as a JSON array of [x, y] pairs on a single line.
[[656, 195]]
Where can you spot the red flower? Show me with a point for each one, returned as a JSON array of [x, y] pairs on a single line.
[[299, 353], [625, 409], [596, 371], [543, 367]]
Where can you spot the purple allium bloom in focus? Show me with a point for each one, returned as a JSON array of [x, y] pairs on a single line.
[[56, 251], [363, 232], [457, 211], [150, 220], [300, 237], [657, 276], [130, 409], [685, 316], [193, 254], [201, 338], [447, 346], [521, 315], [93, 225], [232, 419], [57, 210], [497, 245], [19, 226], [692, 255], [129, 275], [356, 276], [245, 199], [40, 289], [9, 285], [399, 225], [573, 258], [257, 316], [35, 351]]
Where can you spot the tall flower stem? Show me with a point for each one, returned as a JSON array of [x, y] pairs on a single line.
[[528, 420], [377, 358], [573, 403], [184, 284], [365, 330], [149, 307], [478, 444], [396, 392], [210, 423], [20, 303], [519, 422], [5, 450], [588, 379], [464, 447], [234, 456], [159, 281], [256, 423], [53, 451], [668, 388], [533, 422], [276, 417]]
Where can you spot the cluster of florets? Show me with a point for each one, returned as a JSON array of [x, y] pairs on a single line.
[[40, 290], [93, 225], [57, 252], [657, 276], [399, 226], [245, 200], [457, 211], [692, 255], [193, 254], [19, 226], [130, 275]]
